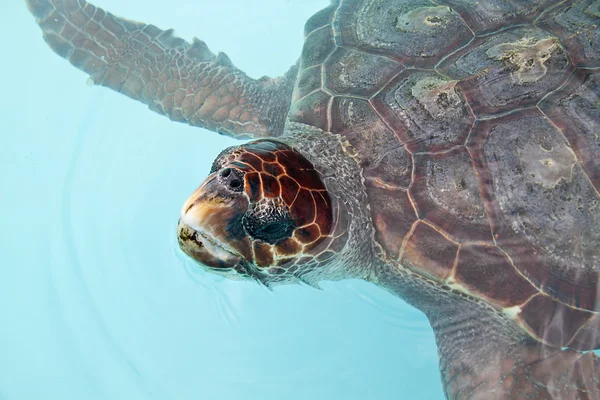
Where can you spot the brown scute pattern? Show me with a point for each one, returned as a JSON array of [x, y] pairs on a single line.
[[486, 16], [588, 333], [552, 321], [446, 192], [459, 75], [393, 216], [574, 109], [576, 287], [429, 251], [395, 27], [537, 192], [392, 169], [320, 20], [316, 54], [428, 112], [382, 157], [184, 81], [354, 72], [312, 110], [505, 71], [309, 81], [577, 27], [487, 272]]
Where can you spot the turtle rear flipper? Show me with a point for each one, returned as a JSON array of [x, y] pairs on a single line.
[[183, 81], [481, 357], [529, 371]]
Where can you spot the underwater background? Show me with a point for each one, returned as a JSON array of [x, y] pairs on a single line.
[[96, 299]]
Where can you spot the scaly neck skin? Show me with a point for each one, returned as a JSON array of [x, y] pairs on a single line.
[[342, 176]]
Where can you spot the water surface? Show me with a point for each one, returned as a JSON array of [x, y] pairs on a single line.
[[97, 302]]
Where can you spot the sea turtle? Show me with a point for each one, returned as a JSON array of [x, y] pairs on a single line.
[[447, 151]]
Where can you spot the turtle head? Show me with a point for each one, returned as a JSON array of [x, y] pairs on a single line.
[[263, 213]]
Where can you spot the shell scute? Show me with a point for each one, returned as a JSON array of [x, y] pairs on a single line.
[[577, 27], [538, 189], [541, 205], [574, 110], [510, 70], [381, 154], [476, 127], [486, 16], [429, 251], [309, 81], [551, 321], [393, 169], [319, 20], [571, 285], [349, 71], [312, 110], [588, 333], [488, 272], [427, 111], [393, 215], [416, 33], [446, 192], [322, 45]]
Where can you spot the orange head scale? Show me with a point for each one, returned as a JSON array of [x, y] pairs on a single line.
[[262, 213]]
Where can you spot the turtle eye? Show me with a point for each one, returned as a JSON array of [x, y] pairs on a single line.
[[272, 231], [268, 221]]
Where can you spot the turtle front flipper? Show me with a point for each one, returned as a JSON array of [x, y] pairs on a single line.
[[183, 81]]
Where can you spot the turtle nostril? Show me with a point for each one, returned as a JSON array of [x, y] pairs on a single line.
[[225, 173], [232, 179]]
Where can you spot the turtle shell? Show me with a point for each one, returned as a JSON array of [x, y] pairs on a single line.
[[477, 125]]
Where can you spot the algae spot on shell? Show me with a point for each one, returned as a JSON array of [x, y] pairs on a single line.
[[527, 58], [548, 167], [423, 19]]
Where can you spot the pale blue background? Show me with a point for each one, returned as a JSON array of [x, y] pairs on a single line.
[[96, 302]]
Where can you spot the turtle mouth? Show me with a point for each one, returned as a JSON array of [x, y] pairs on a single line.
[[205, 249]]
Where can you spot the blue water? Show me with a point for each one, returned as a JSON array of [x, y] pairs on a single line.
[[96, 300]]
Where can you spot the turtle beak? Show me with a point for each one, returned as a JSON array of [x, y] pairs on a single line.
[[205, 225]]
